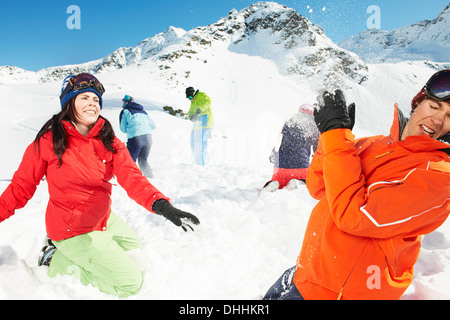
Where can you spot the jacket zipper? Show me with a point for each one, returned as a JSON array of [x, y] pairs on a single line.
[[341, 292], [384, 154]]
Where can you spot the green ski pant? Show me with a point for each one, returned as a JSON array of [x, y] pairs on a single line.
[[99, 258]]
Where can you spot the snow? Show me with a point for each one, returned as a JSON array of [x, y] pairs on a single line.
[[420, 41], [245, 241]]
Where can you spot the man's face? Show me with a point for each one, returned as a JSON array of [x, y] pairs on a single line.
[[430, 118]]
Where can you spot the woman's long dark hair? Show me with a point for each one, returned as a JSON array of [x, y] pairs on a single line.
[[106, 135]]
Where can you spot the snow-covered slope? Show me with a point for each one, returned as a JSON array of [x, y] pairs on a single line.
[[244, 242], [424, 40]]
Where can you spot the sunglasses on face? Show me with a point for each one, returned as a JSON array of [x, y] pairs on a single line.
[[438, 87]]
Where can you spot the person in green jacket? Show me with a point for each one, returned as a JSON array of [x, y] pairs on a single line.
[[200, 113]]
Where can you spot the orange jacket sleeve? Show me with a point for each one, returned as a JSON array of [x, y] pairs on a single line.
[[415, 204], [314, 178]]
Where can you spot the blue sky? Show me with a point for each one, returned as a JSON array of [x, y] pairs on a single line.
[[34, 34]]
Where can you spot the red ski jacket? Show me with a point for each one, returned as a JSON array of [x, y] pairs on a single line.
[[377, 195], [80, 191]]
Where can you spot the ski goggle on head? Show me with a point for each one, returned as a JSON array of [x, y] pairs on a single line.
[[74, 85], [438, 87], [84, 81]]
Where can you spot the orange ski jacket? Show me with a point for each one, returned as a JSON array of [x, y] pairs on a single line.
[[377, 195], [80, 191]]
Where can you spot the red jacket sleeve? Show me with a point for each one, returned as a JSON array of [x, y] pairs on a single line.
[[131, 179], [24, 182], [415, 204]]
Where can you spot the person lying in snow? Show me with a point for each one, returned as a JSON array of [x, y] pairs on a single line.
[[299, 139], [377, 197], [78, 153]]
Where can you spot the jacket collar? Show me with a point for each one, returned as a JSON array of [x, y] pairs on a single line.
[[93, 133], [414, 143], [133, 105]]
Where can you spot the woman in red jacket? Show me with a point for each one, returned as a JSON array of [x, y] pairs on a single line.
[[377, 196], [78, 153]]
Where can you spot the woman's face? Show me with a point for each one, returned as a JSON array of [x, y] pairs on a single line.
[[430, 118], [87, 109]]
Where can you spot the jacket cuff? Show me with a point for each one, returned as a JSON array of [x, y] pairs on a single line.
[[337, 139], [156, 198], [5, 213]]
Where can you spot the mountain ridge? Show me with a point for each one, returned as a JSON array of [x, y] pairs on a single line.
[[423, 40], [298, 47], [271, 31]]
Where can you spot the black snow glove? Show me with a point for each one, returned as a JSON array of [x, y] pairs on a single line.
[[194, 117], [331, 112], [176, 216]]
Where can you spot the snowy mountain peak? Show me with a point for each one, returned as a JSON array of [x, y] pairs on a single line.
[[279, 18], [444, 15], [10, 74], [152, 45], [424, 40], [265, 30], [299, 47]]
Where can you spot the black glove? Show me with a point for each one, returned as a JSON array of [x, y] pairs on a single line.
[[176, 216], [194, 117], [352, 115], [331, 112]]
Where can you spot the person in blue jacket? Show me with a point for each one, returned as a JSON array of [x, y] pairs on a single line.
[[138, 126]]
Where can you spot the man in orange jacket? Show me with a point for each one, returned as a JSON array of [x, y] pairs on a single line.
[[377, 196]]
